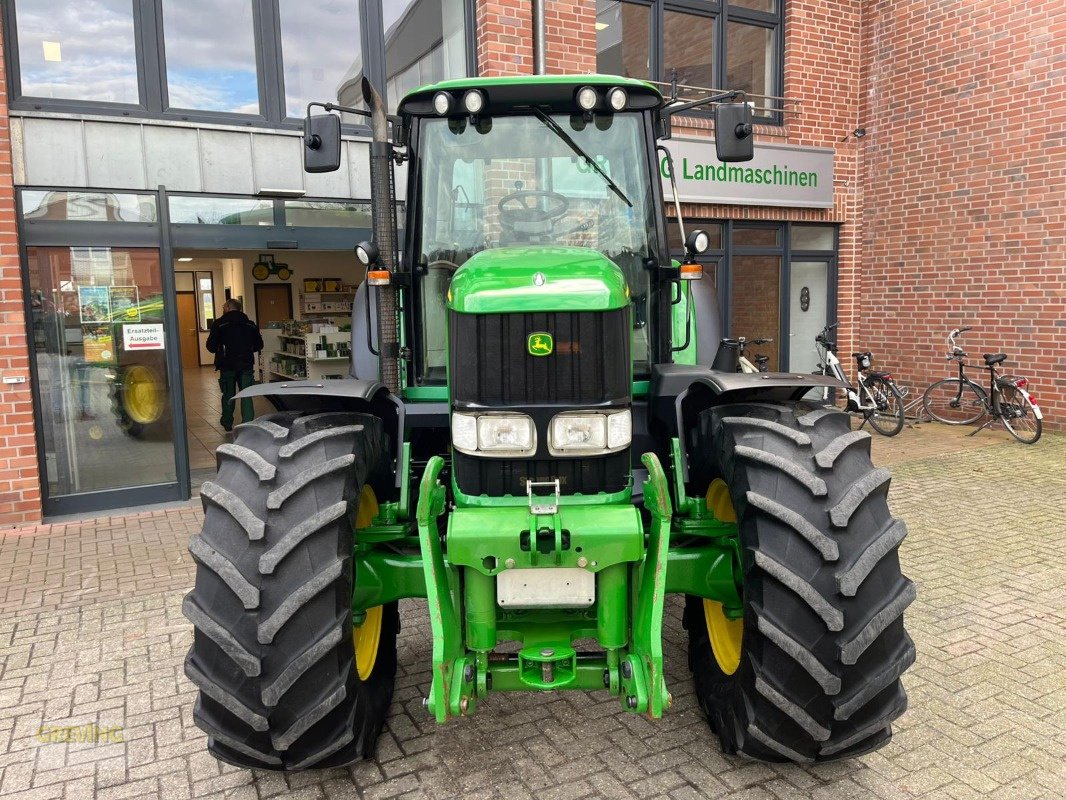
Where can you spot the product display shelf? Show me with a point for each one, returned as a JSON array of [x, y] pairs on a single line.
[[308, 356]]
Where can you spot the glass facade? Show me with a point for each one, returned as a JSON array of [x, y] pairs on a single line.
[[78, 51], [97, 340]]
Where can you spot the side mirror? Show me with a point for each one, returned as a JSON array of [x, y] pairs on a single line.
[[322, 143], [733, 132]]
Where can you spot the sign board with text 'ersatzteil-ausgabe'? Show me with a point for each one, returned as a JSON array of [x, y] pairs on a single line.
[[142, 337], [779, 175]]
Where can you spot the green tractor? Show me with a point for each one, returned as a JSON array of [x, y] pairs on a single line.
[[536, 439]]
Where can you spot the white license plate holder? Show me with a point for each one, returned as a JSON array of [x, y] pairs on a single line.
[[547, 587]]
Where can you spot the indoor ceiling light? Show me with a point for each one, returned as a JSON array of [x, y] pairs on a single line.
[[602, 26], [185, 258]]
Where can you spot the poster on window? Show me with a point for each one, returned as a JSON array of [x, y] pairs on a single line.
[[94, 304], [125, 304], [98, 344]]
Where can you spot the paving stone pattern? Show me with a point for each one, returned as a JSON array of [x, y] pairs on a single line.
[[91, 632]]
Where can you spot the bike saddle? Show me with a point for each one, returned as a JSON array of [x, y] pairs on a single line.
[[992, 359]]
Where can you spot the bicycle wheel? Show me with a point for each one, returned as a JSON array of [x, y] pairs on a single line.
[[886, 417], [1018, 416], [954, 402]]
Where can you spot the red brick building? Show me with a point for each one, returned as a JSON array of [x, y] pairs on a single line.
[[943, 125]]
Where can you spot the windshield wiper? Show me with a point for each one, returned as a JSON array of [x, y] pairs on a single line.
[[553, 126]]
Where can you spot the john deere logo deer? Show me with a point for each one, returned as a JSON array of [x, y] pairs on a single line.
[[540, 344]]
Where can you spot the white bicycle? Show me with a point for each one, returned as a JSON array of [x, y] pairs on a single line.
[[740, 344], [876, 396]]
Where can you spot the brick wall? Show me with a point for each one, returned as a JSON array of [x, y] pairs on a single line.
[[20, 489], [505, 37], [965, 187]]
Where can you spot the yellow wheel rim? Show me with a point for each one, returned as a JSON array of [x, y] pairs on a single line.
[[367, 637], [365, 640], [142, 394], [725, 635]]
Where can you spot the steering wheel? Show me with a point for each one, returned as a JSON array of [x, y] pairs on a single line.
[[520, 212]]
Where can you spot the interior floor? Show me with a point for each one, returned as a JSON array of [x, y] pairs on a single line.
[[203, 407]]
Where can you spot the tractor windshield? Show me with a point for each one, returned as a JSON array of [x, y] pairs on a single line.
[[527, 180]]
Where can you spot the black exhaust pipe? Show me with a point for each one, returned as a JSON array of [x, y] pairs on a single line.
[[383, 211]]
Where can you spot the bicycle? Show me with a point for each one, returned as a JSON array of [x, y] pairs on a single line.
[[875, 396], [961, 401], [762, 363]]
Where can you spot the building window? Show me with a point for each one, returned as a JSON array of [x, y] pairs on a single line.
[[317, 73], [41, 205], [730, 44], [623, 39], [210, 55], [77, 51], [249, 60], [200, 210], [424, 43]]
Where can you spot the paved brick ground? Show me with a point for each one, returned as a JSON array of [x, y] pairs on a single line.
[[91, 633]]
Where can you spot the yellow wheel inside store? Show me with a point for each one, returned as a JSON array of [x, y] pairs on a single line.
[[143, 396]]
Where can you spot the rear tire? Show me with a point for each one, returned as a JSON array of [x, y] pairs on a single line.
[[889, 420], [823, 645], [272, 654], [940, 404], [1018, 416]]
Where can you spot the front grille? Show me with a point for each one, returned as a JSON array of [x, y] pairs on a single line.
[[491, 366], [495, 477]]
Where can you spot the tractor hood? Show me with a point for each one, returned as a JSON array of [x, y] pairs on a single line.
[[537, 278]]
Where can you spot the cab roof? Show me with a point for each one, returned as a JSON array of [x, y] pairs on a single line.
[[507, 93]]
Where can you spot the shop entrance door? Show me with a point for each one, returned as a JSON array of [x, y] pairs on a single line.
[[190, 339], [808, 311], [101, 353]]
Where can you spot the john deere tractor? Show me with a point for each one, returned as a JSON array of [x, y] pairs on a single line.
[[535, 439]]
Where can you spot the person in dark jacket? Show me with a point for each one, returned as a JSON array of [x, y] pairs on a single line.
[[234, 339]]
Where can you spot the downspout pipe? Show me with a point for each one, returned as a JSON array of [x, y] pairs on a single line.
[[538, 37]]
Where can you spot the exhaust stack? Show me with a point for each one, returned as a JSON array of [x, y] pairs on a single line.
[[383, 211]]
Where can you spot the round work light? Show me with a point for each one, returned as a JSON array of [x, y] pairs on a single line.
[[443, 103], [587, 98], [617, 98], [474, 101]]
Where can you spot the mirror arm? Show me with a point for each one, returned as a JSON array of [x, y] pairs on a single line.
[[736, 94], [335, 107]]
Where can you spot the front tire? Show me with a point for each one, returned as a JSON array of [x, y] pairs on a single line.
[[946, 402], [823, 645], [281, 684], [887, 418]]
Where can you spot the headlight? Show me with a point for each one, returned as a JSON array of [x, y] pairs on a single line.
[[581, 433], [617, 98], [499, 435]]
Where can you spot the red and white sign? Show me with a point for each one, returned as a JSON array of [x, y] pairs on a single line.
[[142, 337]]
